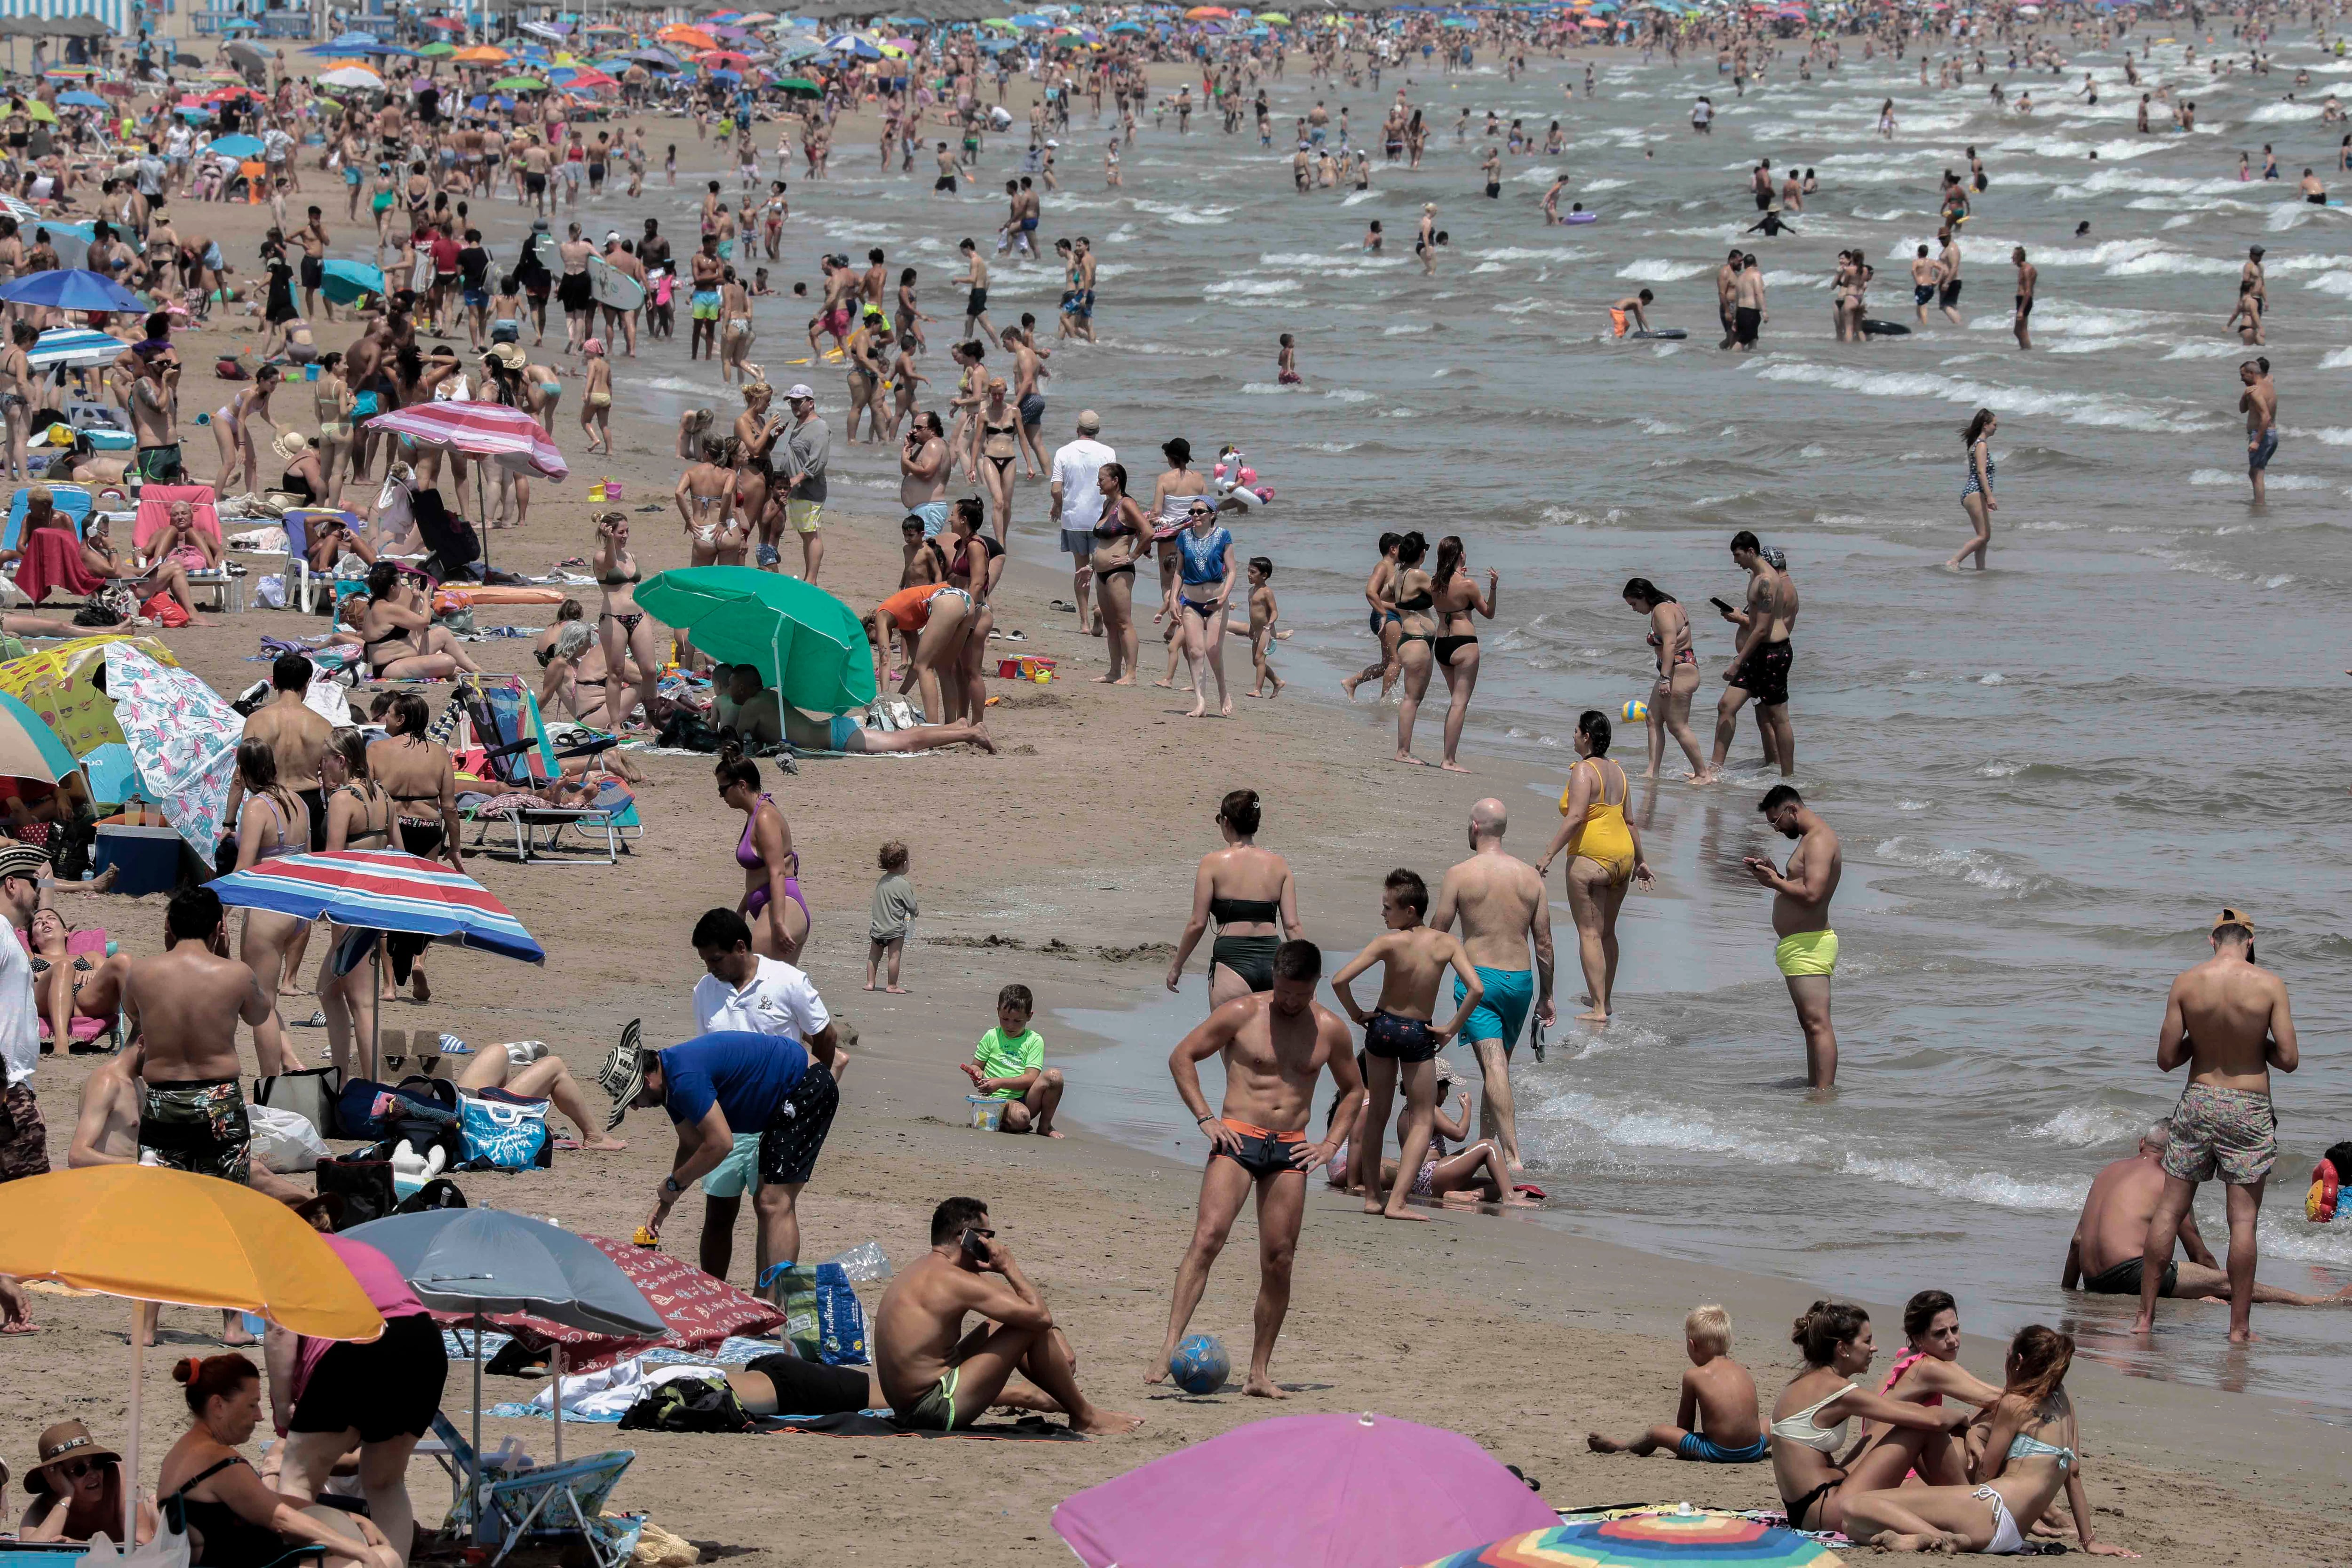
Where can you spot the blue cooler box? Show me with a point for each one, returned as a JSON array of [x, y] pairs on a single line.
[[149, 858]]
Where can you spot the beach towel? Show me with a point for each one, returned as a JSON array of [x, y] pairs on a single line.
[[52, 559], [882, 1424]]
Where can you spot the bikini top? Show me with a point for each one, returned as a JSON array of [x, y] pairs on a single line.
[[283, 847], [1801, 1428], [1420, 601], [1234, 911], [382, 835], [2024, 1448], [635, 574]]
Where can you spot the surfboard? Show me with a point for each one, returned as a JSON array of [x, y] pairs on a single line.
[[1669, 332], [615, 289], [1885, 329], [1580, 218], [542, 245]]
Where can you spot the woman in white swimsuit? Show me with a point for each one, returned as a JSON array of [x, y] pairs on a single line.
[[1809, 1420]]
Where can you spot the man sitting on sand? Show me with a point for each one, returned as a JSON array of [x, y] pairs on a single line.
[[937, 1377], [1717, 1422], [2107, 1256]]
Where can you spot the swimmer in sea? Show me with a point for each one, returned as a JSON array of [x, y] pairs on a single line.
[[1947, 265], [1424, 239], [1631, 305], [2259, 404], [2248, 317], [1286, 363], [2028, 277]]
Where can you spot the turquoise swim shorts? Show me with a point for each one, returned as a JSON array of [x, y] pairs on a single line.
[[1502, 1011], [739, 1173]]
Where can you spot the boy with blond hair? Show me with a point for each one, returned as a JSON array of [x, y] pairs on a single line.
[[1717, 1422]]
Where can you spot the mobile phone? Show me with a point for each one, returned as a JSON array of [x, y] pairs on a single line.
[[973, 1248], [1718, 603]]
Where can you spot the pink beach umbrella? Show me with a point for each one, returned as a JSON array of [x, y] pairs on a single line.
[[1308, 1491]]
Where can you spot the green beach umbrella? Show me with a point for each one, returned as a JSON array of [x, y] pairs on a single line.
[[804, 642], [434, 51], [518, 84], [800, 84]]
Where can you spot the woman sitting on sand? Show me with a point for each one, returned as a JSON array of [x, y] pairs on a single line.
[[1246, 890], [2029, 1457], [1931, 1369], [771, 901], [235, 1521], [1809, 1420], [78, 1490], [69, 985], [397, 633], [1474, 1176]]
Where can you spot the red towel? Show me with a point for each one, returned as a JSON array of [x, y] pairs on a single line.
[[53, 559]]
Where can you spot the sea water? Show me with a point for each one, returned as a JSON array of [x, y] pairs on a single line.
[[2046, 778]]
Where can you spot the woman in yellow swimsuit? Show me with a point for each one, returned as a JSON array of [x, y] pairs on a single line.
[[1605, 857]]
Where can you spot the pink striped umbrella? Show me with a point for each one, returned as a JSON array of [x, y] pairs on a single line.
[[506, 437]]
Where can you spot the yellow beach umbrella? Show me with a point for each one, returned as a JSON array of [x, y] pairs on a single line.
[[62, 685], [148, 1234]]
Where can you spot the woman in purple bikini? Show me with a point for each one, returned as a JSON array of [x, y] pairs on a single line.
[[771, 900]]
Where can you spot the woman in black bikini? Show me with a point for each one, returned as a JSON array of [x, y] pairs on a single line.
[[423, 782], [1246, 890], [1410, 594], [398, 637], [359, 816], [979, 561], [1000, 449], [622, 625], [1454, 649], [1118, 546], [233, 1518]]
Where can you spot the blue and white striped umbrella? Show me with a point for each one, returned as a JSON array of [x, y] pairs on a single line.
[[75, 348], [383, 889]]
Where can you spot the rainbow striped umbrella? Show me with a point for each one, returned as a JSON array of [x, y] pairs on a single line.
[[383, 889], [1680, 1537]]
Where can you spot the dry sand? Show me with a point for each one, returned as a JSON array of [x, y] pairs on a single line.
[[1080, 838]]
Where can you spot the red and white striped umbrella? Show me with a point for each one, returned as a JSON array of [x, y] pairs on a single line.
[[506, 437]]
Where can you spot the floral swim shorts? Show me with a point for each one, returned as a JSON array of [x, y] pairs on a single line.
[[2230, 1132]]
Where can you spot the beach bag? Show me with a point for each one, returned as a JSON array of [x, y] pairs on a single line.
[[428, 1117], [164, 611], [792, 1288], [507, 1131], [440, 1193], [363, 1183], [840, 1320], [361, 1107], [283, 1140], [688, 1405], [309, 1095]]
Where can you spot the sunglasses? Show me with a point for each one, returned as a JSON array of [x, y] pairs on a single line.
[[75, 1469]]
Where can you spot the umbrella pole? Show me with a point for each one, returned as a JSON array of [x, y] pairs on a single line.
[[375, 1012], [559, 1405], [479, 1484], [131, 1465], [482, 516]]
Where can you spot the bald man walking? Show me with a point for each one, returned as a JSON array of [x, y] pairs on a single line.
[[1499, 899]]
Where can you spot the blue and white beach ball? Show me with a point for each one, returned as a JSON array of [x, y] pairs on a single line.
[[1199, 1364]]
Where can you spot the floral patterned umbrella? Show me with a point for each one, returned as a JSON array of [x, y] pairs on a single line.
[[182, 736]]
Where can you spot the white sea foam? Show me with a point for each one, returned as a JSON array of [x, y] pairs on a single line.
[[1973, 866], [2084, 1126], [2098, 409], [1348, 394], [1268, 389], [1652, 270], [1253, 288], [1995, 1189]]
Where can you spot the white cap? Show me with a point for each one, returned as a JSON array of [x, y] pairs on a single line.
[[797, 391]]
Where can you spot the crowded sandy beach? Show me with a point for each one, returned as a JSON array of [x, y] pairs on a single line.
[[1395, 955]]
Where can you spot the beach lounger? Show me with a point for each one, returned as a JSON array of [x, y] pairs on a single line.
[[155, 511], [541, 1504], [511, 754]]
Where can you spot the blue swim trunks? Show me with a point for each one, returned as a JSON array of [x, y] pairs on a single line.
[[2258, 458], [934, 514], [1502, 1011], [1699, 1447], [839, 728]]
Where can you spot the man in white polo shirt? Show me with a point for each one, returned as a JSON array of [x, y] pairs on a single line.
[[763, 997], [1078, 504]]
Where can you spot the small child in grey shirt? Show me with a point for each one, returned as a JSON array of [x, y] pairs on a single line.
[[894, 911]]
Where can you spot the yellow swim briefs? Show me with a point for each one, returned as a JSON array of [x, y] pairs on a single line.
[[1807, 952]]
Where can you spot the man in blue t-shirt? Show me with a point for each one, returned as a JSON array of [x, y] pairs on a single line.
[[717, 1084]]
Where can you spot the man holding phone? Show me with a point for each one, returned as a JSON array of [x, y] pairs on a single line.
[[1759, 669], [938, 1378], [1276, 1045], [1807, 952]]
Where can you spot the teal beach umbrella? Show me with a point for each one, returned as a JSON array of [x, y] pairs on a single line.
[[804, 642]]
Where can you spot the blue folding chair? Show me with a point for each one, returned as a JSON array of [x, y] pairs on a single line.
[[72, 503], [542, 1503]]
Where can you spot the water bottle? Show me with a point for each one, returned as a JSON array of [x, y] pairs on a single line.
[[864, 1262]]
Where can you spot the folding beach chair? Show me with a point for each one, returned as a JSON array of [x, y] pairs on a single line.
[[72, 501], [155, 511], [541, 1503], [302, 583], [90, 943], [500, 713]]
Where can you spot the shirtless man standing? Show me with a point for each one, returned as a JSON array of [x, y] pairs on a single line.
[[1276, 1045], [1727, 280], [1747, 303], [2227, 1019], [1759, 665], [1401, 1033], [936, 1376], [1925, 276], [1807, 952], [298, 735], [2259, 404], [1500, 900], [975, 304], [2108, 1256]]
